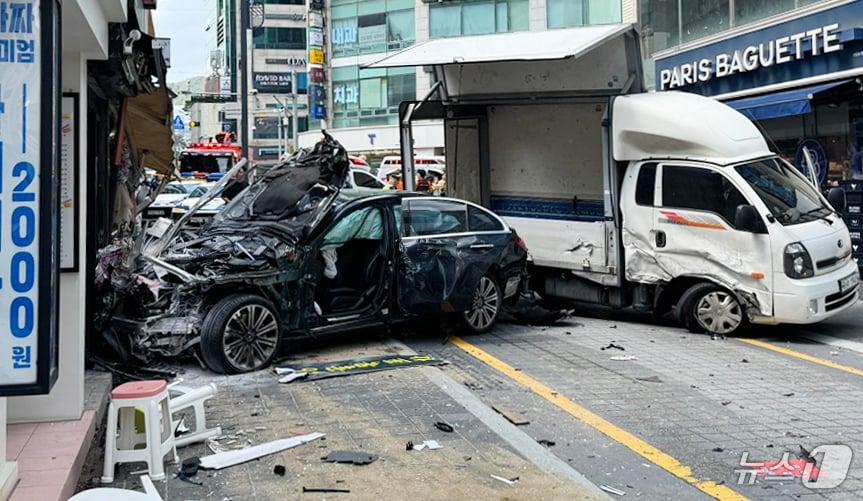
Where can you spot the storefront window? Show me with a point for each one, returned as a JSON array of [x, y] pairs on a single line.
[[700, 18], [280, 38], [371, 96], [604, 12], [570, 13], [565, 13], [453, 19], [371, 27], [753, 10]]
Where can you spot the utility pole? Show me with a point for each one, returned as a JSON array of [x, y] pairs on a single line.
[[294, 119], [244, 76]]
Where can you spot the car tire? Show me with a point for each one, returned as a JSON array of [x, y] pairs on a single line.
[[485, 306], [240, 333], [706, 307]]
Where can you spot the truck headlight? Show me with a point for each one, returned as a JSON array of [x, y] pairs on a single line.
[[798, 264]]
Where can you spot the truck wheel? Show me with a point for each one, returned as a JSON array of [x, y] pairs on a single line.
[[240, 333], [706, 307], [485, 308]]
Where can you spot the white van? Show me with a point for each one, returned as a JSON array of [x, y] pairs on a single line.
[[656, 201]]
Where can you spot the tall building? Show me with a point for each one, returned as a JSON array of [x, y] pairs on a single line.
[[363, 111]]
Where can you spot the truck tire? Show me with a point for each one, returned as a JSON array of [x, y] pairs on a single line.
[[485, 307], [706, 307], [241, 333]]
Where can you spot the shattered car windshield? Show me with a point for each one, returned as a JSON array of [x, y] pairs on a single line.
[[788, 196]]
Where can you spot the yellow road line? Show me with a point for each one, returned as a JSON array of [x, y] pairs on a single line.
[[628, 440], [802, 356]]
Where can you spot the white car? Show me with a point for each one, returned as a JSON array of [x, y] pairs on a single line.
[[172, 194], [209, 209], [361, 178]]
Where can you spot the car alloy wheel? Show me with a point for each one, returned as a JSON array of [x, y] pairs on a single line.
[[485, 306], [250, 337], [718, 312]]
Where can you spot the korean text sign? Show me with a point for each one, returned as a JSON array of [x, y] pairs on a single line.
[[24, 174]]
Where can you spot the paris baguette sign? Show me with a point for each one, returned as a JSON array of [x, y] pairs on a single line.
[[821, 40], [29, 195]]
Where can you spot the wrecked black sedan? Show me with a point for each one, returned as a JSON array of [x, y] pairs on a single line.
[[294, 256]]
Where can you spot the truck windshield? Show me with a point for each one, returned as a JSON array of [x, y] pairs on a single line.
[[790, 198]]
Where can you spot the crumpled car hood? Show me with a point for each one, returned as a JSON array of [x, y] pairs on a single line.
[[263, 226]]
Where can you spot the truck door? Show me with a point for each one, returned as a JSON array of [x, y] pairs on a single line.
[[694, 232]]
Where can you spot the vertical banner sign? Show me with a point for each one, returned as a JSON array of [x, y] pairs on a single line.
[[29, 152], [69, 183]]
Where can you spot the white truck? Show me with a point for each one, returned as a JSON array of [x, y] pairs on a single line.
[[658, 201]]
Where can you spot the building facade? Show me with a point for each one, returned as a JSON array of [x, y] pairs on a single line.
[[792, 66], [363, 103]]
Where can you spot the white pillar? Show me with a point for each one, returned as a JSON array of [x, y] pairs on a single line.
[[8, 469], [538, 18]]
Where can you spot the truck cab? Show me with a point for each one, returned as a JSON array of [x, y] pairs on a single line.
[[656, 201]]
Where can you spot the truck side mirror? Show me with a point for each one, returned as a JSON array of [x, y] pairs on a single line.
[[836, 197], [746, 219]]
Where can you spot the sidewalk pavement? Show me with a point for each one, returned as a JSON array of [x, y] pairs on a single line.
[[376, 413]]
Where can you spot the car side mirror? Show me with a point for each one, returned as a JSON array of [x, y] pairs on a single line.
[[746, 219], [836, 197]]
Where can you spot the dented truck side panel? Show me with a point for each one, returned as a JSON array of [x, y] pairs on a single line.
[[663, 243]]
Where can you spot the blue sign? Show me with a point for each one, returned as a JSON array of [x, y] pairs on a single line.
[[29, 209], [318, 111], [178, 123], [819, 44]]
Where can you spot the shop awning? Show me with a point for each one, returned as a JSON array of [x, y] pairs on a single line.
[[781, 104]]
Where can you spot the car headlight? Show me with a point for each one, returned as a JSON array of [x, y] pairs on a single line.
[[179, 210], [798, 264]]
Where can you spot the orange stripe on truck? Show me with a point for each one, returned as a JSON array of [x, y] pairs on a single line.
[[675, 218]]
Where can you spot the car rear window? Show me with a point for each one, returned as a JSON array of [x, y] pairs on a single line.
[[434, 217], [481, 220]]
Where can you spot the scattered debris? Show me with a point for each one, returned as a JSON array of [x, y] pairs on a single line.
[[289, 375], [726, 402], [472, 386], [325, 490], [279, 470], [788, 394], [791, 434], [507, 481], [612, 490], [547, 443], [718, 449], [529, 310], [359, 366], [232, 458], [444, 427], [511, 415], [624, 358], [431, 445], [188, 469], [834, 353], [745, 361], [358, 458], [612, 346], [409, 446], [650, 379]]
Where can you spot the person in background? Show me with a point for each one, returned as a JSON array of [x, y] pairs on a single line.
[[423, 184], [394, 182]]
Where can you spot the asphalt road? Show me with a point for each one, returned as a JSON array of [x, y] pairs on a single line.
[[674, 417]]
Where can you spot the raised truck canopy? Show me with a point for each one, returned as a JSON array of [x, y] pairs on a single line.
[[591, 60]]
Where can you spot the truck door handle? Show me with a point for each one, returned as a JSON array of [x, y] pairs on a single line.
[[660, 239], [481, 246]]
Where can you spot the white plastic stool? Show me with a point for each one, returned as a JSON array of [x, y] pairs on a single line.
[[110, 494], [184, 397], [158, 436]]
